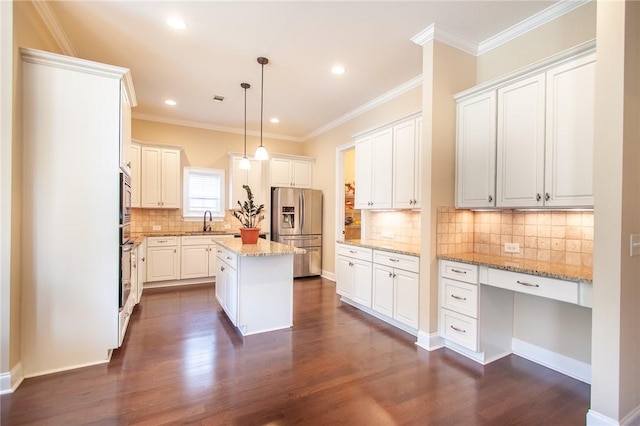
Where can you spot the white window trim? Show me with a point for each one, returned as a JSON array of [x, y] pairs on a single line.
[[216, 216]]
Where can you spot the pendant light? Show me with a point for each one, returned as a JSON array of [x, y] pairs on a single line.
[[261, 151], [245, 164]]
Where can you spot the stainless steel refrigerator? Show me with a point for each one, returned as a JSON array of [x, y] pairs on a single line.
[[296, 220]]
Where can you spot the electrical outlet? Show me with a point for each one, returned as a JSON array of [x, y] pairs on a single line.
[[227, 226], [157, 227], [511, 248], [387, 234]]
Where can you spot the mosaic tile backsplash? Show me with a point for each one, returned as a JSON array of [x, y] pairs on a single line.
[[551, 236], [143, 221]]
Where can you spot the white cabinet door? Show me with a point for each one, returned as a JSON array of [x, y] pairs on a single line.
[[383, 290], [135, 175], [406, 297], [150, 177], [221, 284], [520, 143], [251, 177], [281, 172], [162, 263], [344, 277], [569, 135], [231, 294], [194, 262], [418, 165], [213, 261], [404, 165], [125, 130], [170, 179], [293, 173], [141, 260], [363, 173], [301, 171], [361, 282], [382, 169], [476, 151]]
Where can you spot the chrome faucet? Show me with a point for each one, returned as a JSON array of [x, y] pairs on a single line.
[[205, 227]]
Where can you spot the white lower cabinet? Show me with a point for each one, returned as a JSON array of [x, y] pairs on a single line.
[[141, 268], [381, 283], [198, 254], [227, 282], [163, 258]]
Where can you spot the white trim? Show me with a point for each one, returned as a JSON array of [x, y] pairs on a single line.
[[68, 368], [272, 155], [571, 367], [596, 419], [178, 283], [633, 418], [380, 100], [10, 381], [543, 17], [52, 23], [208, 126], [328, 275], [412, 114], [430, 342], [339, 200], [156, 145], [432, 33], [75, 64]]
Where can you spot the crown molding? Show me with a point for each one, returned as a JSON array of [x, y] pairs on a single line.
[[545, 16], [386, 97], [208, 126], [444, 36], [52, 23]]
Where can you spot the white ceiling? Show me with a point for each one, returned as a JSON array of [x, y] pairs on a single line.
[[301, 39]]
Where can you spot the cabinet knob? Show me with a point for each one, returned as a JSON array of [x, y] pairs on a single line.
[[547, 197], [490, 199], [142, 259], [390, 275], [129, 164], [174, 250], [538, 197]]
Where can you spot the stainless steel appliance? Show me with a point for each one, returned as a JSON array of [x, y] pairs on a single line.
[[125, 198], [126, 245], [125, 272], [296, 220]]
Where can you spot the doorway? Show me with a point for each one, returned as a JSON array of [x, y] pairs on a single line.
[[348, 218]]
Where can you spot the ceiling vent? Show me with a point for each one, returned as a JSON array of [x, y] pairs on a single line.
[[218, 98]]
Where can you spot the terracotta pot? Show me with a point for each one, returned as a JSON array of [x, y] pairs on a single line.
[[249, 235]]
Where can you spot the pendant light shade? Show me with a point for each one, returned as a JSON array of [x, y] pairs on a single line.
[[245, 164], [261, 152]]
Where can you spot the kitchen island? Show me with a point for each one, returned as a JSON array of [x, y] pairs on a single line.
[[254, 284]]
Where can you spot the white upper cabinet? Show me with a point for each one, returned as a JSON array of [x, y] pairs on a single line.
[[295, 173], [476, 151], [160, 178], [239, 177], [406, 164], [520, 168], [125, 130], [569, 135], [542, 123], [134, 157], [374, 170]]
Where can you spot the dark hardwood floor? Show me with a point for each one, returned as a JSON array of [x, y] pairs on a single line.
[[183, 363]]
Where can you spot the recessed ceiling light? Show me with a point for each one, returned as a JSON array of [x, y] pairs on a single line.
[[170, 102], [337, 69], [275, 120], [176, 23]]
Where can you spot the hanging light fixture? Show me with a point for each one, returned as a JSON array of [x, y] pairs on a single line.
[[261, 151], [245, 164]]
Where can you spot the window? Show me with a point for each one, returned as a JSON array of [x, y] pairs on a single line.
[[203, 190]]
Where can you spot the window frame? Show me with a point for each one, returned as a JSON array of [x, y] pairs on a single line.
[[191, 214]]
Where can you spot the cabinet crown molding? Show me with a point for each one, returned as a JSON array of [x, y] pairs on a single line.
[[412, 114], [580, 50], [155, 145], [232, 154]]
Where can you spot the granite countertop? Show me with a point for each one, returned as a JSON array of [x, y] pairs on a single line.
[[533, 267], [391, 246], [262, 248], [180, 233]]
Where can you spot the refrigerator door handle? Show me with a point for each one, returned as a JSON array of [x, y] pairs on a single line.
[[302, 212]]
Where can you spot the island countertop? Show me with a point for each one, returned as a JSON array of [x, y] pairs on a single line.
[[262, 248]]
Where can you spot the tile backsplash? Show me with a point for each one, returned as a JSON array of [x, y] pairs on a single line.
[[552, 236], [143, 221], [401, 226]]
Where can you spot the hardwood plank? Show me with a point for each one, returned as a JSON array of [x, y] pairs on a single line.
[[183, 362]]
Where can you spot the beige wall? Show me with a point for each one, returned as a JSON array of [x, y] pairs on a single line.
[[350, 166], [323, 148], [615, 390], [28, 31], [563, 33]]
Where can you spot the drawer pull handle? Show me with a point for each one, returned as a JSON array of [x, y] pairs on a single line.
[[350, 264], [458, 297], [458, 271], [229, 258], [459, 330], [162, 241], [394, 260], [353, 252], [527, 284]]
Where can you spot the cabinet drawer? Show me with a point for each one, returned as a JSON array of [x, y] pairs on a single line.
[[459, 329], [459, 271], [162, 241], [565, 291], [227, 256], [197, 240], [355, 252], [395, 260], [459, 297]]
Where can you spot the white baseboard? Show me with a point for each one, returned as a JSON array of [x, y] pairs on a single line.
[[10, 381], [178, 283], [428, 341], [596, 419], [71, 367], [571, 367], [328, 275]]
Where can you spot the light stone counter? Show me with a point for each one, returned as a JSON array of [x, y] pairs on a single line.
[[262, 248], [387, 245]]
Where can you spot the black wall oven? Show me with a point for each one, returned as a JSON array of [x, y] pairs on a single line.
[[126, 244]]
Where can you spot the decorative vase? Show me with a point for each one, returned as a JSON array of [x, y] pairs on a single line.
[[249, 235]]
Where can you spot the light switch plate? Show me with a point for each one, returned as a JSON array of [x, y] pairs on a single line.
[[634, 249], [511, 248], [156, 227]]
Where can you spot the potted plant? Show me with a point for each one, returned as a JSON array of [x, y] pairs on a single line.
[[250, 215]]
